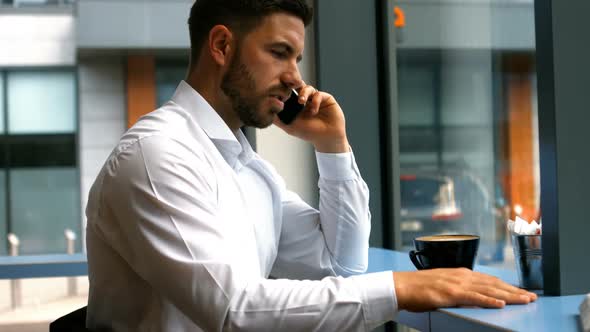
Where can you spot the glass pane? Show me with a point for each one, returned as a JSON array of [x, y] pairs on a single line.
[[417, 94], [45, 202], [2, 114], [3, 239], [41, 102], [168, 74], [467, 120]]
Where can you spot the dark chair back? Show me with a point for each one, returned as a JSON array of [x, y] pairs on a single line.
[[75, 321]]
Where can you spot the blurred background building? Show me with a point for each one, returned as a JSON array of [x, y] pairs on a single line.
[[73, 76]]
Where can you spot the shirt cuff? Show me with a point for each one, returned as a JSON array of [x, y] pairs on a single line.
[[337, 166], [379, 298]]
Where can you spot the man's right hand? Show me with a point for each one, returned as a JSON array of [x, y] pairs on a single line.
[[438, 288]]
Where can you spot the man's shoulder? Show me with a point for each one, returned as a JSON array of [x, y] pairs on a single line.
[[167, 122], [166, 130]]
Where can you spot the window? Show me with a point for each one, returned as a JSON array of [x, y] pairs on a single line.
[[467, 120], [51, 110], [39, 196], [2, 112], [39, 182], [168, 74], [3, 224], [45, 203]]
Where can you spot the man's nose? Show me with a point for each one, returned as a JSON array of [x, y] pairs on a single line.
[[292, 78]]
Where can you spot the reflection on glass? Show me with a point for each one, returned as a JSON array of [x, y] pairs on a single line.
[[45, 202], [41, 102], [467, 121]]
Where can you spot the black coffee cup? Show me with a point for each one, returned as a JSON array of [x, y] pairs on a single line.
[[444, 251]]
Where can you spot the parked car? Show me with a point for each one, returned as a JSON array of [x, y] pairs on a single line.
[[449, 202]]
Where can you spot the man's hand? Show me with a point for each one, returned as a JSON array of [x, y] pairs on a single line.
[[321, 122], [438, 288]]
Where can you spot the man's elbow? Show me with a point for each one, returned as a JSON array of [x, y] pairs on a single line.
[[352, 268]]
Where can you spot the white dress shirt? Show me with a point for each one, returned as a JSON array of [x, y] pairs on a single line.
[[186, 223]]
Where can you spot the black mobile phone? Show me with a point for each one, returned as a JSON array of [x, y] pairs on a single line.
[[291, 109]]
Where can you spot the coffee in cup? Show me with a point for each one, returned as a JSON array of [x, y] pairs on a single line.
[[444, 251]]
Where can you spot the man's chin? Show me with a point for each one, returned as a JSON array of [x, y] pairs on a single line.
[[263, 125], [260, 123], [263, 117]]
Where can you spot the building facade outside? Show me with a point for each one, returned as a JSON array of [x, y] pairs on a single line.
[[73, 76]]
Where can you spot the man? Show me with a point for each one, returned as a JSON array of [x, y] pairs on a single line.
[[186, 223]]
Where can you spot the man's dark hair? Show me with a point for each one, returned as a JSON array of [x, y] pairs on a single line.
[[241, 16]]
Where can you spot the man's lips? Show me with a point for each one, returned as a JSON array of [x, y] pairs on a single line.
[[280, 97], [279, 102]]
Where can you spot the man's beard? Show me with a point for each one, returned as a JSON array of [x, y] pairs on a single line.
[[235, 83]]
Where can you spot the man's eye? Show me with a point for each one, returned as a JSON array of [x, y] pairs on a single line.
[[279, 54]]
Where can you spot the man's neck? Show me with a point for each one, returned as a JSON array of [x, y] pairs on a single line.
[[210, 91]]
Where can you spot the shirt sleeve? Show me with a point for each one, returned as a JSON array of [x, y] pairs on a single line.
[[172, 237], [335, 239]]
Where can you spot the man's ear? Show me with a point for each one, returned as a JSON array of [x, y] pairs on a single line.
[[220, 44]]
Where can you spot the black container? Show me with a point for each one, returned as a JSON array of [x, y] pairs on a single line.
[[528, 255], [445, 251]]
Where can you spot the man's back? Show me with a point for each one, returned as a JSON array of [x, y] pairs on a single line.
[[118, 294]]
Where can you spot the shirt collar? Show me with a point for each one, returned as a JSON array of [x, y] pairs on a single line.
[[232, 147]]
